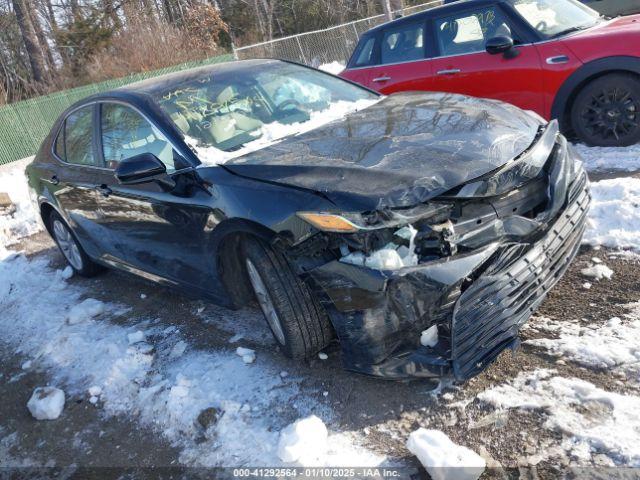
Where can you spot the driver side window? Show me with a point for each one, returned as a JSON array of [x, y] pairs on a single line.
[[468, 32], [126, 133]]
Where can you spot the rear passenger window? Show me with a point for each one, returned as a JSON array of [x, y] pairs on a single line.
[[78, 137], [126, 133], [365, 53], [402, 44]]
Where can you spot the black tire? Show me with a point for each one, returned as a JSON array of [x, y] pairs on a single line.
[[606, 112], [305, 326], [79, 260]]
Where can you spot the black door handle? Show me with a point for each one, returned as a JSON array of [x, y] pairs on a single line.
[[104, 190], [55, 180]]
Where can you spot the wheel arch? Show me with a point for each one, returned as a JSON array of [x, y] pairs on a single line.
[[228, 258], [46, 209], [588, 72]]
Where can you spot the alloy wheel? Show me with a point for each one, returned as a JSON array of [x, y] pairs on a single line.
[[266, 304], [612, 113], [67, 244]]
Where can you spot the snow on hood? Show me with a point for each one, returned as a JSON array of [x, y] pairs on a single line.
[[404, 150]]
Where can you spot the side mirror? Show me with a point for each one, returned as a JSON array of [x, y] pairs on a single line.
[[499, 44], [142, 168]]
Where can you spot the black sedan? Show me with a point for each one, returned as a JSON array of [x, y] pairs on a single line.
[[420, 229]]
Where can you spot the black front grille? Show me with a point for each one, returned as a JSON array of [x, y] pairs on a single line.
[[489, 314]]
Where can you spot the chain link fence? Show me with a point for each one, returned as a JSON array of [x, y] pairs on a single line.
[[24, 125], [320, 47]]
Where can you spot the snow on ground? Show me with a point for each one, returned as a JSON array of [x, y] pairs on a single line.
[[23, 221], [144, 380], [46, 403], [614, 218], [590, 419], [443, 459], [614, 344], [605, 159]]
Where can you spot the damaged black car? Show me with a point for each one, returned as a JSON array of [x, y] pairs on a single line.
[[420, 230]]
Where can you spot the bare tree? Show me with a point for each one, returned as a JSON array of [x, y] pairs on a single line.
[[36, 58]]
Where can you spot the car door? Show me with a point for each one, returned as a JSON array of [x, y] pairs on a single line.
[[402, 63], [464, 66], [150, 229], [73, 179]]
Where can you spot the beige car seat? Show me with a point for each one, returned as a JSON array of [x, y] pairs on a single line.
[[231, 124]]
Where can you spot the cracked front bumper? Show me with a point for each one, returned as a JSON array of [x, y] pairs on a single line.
[[479, 300]]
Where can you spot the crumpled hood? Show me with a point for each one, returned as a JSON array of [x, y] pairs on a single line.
[[404, 150]]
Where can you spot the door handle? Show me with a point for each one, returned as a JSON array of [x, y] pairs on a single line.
[[104, 190], [381, 79], [451, 71], [55, 180]]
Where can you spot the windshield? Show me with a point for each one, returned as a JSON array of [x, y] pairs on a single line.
[[227, 114], [553, 18]]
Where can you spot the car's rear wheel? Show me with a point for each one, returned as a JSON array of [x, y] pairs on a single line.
[[298, 322], [606, 112], [70, 248]]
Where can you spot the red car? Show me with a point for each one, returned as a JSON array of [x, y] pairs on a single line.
[[557, 58]]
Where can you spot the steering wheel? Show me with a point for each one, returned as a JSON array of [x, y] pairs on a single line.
[[541, 26]]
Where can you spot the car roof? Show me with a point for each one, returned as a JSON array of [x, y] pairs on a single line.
[[447, 7]]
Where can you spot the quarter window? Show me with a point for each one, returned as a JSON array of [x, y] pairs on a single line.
[[468, 32], [402, 44], [126, 133], [78, 137], [365, 54]]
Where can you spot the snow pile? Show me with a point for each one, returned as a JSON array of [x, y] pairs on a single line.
[[616, 344], [303, 441], [46, 403], [22, 221], [614, 218], [271, 133], [85, 310], [429, 338], [334, 67], [591, 420], [443, 459], [597, 271], [391, 257], [248, 355], [609, 158]]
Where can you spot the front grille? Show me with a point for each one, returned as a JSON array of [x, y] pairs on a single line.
[[489, 314]]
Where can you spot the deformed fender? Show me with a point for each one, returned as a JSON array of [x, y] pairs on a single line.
[[587, 71]]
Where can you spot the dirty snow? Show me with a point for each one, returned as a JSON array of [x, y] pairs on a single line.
[[608, 345], [22, 220], [145, 382], [609, 159], [303, 441], [443, 459], [46, 403], [271, 133], [590, 419], [85, 310]]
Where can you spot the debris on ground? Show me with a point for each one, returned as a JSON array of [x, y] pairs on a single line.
[[248, 355], [303, 441], [598, 271]]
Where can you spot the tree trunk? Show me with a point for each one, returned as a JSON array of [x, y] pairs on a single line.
[[388, 11], [42, 39], [34, 52]]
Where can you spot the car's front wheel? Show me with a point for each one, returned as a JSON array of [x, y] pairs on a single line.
[[71, 249], [298, 323], [606, 112]]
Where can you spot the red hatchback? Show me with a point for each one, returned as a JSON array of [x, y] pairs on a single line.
[[557, 58]]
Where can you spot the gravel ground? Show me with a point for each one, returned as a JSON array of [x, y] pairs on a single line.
[[385, 412]]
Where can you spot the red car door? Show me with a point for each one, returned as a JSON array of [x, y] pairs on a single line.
[[399, 61], [464, 65]]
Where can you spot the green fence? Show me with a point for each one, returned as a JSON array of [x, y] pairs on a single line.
[[23, 125]]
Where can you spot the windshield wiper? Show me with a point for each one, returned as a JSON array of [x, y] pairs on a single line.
[[571, 30]]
